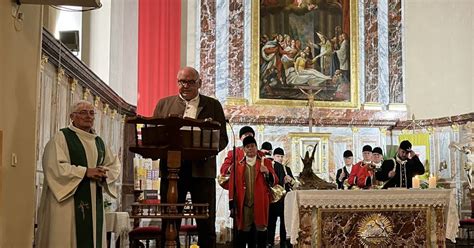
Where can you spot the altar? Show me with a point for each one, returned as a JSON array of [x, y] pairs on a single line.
[[371, 218]]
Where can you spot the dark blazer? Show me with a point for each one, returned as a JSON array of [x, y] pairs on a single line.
[[340, 184], [279, 171], [208, 108], [412, 167]]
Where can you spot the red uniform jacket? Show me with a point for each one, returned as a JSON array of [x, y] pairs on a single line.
[[226, 166], [352, 180], [229, 159], [261, 193], [363, 176]]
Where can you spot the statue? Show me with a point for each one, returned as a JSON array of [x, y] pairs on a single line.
[[308, 179], [466, 148], [469, 163]]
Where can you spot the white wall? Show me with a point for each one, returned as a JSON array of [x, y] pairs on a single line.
[[20, 53], [189, 21], [69, 21], [124, 49], [99, 40], [439, 56]]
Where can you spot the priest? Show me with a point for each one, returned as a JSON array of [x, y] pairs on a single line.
[[78, 168]]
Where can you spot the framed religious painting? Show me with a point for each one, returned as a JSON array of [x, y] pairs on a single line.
[[302, 49]]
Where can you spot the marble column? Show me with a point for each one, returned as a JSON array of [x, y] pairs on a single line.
[[236, 52], [383, 140], [382, 13], [208, 47], [371, 54], [355, 144], [432, 155], [458, 168], [396, 90], [259, 134]]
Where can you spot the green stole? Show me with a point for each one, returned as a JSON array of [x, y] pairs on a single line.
[[82, 197]]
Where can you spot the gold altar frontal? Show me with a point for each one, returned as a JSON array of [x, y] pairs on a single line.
[[371, 218]]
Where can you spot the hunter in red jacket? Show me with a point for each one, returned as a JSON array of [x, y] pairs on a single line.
[[366, 159], [252, 195]]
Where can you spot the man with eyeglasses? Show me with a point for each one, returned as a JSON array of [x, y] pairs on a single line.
[[77, 167], [196, 177]]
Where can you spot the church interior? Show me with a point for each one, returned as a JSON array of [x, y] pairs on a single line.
[[315, 77]]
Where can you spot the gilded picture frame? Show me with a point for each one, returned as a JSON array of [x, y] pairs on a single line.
[[275, 83], [302, 142]]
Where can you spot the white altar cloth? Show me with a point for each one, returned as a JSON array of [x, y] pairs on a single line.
[[370, 198], [118, 223]]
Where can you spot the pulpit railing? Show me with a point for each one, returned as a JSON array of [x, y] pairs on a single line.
[[164, 211]]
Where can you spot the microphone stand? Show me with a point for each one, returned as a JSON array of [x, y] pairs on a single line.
[[234, 200]]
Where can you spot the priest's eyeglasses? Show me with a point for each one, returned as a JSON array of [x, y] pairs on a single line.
[[191, 82], [86, 112]]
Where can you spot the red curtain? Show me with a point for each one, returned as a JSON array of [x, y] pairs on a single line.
[[159, 30]]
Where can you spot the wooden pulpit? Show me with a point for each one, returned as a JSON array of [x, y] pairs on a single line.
[[174, 139]]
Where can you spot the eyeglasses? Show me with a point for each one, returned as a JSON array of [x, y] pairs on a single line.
[[86, 112], [191, 82]]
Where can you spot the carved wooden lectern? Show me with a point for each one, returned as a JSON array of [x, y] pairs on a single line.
[[174, 139]]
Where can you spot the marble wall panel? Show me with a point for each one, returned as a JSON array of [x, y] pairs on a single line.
[[338, 143], [361, 47], [247, 46], [208, 47], [286, 115], [222, 49], [366, 136], [382, 19], [395, 54], [443, 154], [236, 48], [339, 228], [371, 51], [458, 168]]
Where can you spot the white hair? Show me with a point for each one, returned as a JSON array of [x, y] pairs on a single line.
[[78, 104]]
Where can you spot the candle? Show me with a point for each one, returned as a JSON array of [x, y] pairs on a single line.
[[155, 165], [415, 182], [432, 182], [136, 162]]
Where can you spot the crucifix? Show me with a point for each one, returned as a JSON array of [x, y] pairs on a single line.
[[83, 206], [309, 93]]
